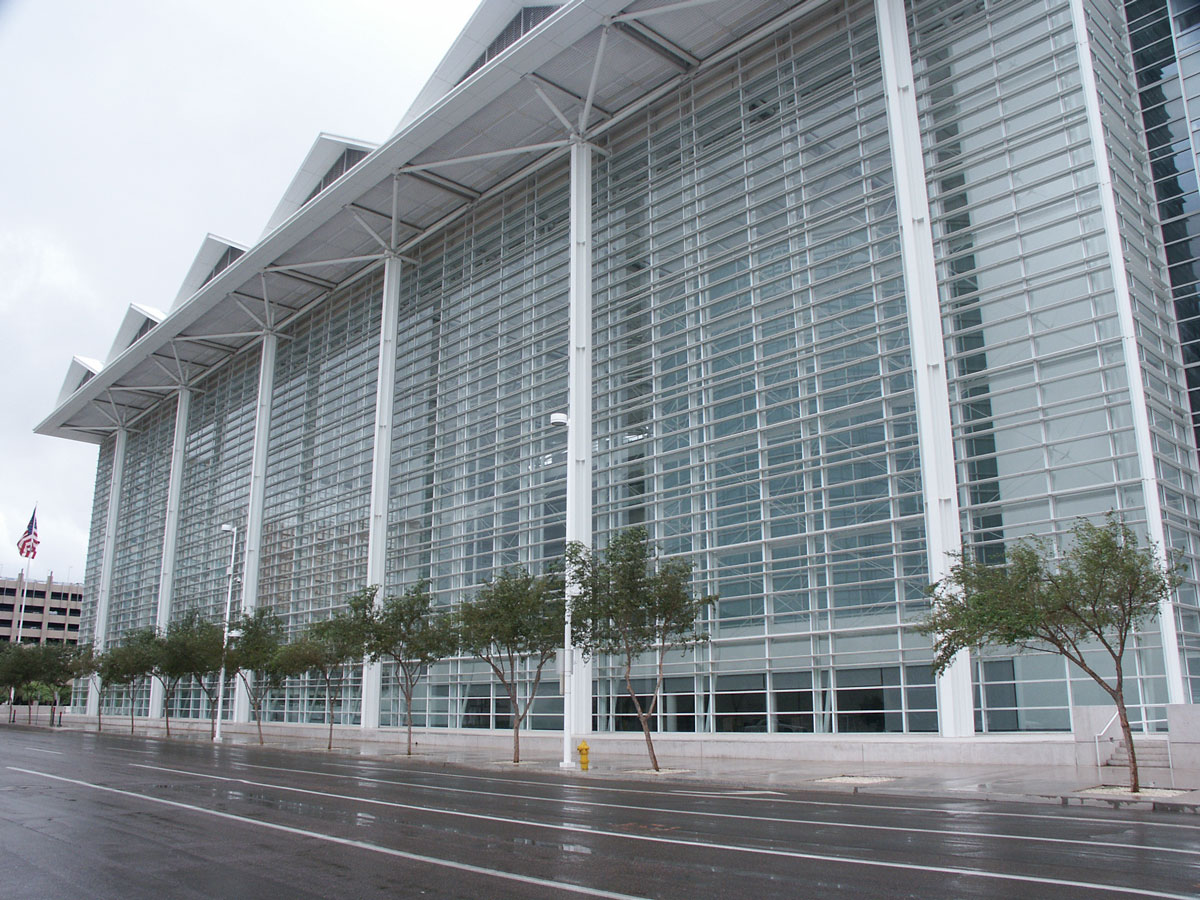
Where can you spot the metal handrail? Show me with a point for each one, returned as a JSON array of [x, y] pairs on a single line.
[[1100, 734]]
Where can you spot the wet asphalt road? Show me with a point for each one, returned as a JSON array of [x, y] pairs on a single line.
[[109, 816]]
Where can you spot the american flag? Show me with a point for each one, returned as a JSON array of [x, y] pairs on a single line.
[[28, 543]]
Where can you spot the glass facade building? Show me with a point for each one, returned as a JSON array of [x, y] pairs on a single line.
[[866, 281]]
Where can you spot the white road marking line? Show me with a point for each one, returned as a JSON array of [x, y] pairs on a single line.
[[709, 845], [788, 800], [346, 842], [40, 750], [820, 823], [731, 793]]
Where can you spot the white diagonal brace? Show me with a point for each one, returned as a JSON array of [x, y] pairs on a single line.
[[586, 112], [291, 268], [368, 229], [478, 157], [656, 10], [558, 113]]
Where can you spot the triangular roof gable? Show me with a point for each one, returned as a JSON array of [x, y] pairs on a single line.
[[214, 252], [326, 150], [81, 370], [484, 28], [138, 320]]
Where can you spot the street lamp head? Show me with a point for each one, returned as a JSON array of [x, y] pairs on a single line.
[[227, 528], [558, 418]]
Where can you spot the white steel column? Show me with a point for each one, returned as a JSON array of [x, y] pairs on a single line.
[[100, 631], [1129, 346], [166, 572], [254, 511], [943, 529], [576, 674], [381, 470]]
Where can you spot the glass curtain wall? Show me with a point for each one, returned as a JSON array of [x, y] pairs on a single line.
[[318, 485], [1160, 356], [1039, 390], [478, 473], [754, 398], [141, 519], [96, 541], [1165, 40], [95, 558], [138, 542], [214, 492]]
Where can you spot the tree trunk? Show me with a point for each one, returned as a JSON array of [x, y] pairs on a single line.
[[131, 707], [329, 712], [100, 713], [643, 717], [167, 709], [512, 701], [1135, 784], [408, 716], [258, 719]]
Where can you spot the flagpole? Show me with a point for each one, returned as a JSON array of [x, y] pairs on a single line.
[[21, 609]]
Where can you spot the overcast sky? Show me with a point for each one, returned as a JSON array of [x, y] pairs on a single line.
[[130, 129]]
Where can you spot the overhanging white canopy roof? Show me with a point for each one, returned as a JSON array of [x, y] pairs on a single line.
[[461, 141]]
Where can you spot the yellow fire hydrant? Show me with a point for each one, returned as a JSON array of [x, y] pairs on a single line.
[[583, 755]]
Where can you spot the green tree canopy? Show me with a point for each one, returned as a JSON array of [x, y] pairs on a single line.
[[325, 648], [406, 630], [1092, 598], [131, 662], [253, 653], [193, 647], [514, 618], [628, 603]]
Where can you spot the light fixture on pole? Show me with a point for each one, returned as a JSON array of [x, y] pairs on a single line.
[[225, 631], [567, 675]]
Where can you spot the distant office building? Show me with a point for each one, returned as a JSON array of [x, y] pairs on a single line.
[[51, 610], [827, 290]]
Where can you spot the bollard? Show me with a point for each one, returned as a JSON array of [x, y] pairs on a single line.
[[583, 755]]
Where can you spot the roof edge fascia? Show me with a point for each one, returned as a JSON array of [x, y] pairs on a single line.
[[574, 20]]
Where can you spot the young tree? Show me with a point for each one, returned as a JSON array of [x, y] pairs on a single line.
[[325, 648], [195, 646], [514, 617], [406, 630], [57, 666], [628, 604], [1094, 597], [85, 662], [253, 653], [110, 674], [19, 667], [130, 663]]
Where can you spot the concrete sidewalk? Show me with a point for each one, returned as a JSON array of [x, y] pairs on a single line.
[[1163, 789]]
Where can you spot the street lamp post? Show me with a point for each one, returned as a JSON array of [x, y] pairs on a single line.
[[225, 632]]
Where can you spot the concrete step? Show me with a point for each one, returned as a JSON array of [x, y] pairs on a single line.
[[1151, 754]]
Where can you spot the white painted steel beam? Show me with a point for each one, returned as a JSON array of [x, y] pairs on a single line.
[[576, 674], [412, 168], [166, 572], [100, 632], [254, 508], [589, 102], [657, 10], [1143, 439], [943, 528], [381, 470], [318, 263]]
